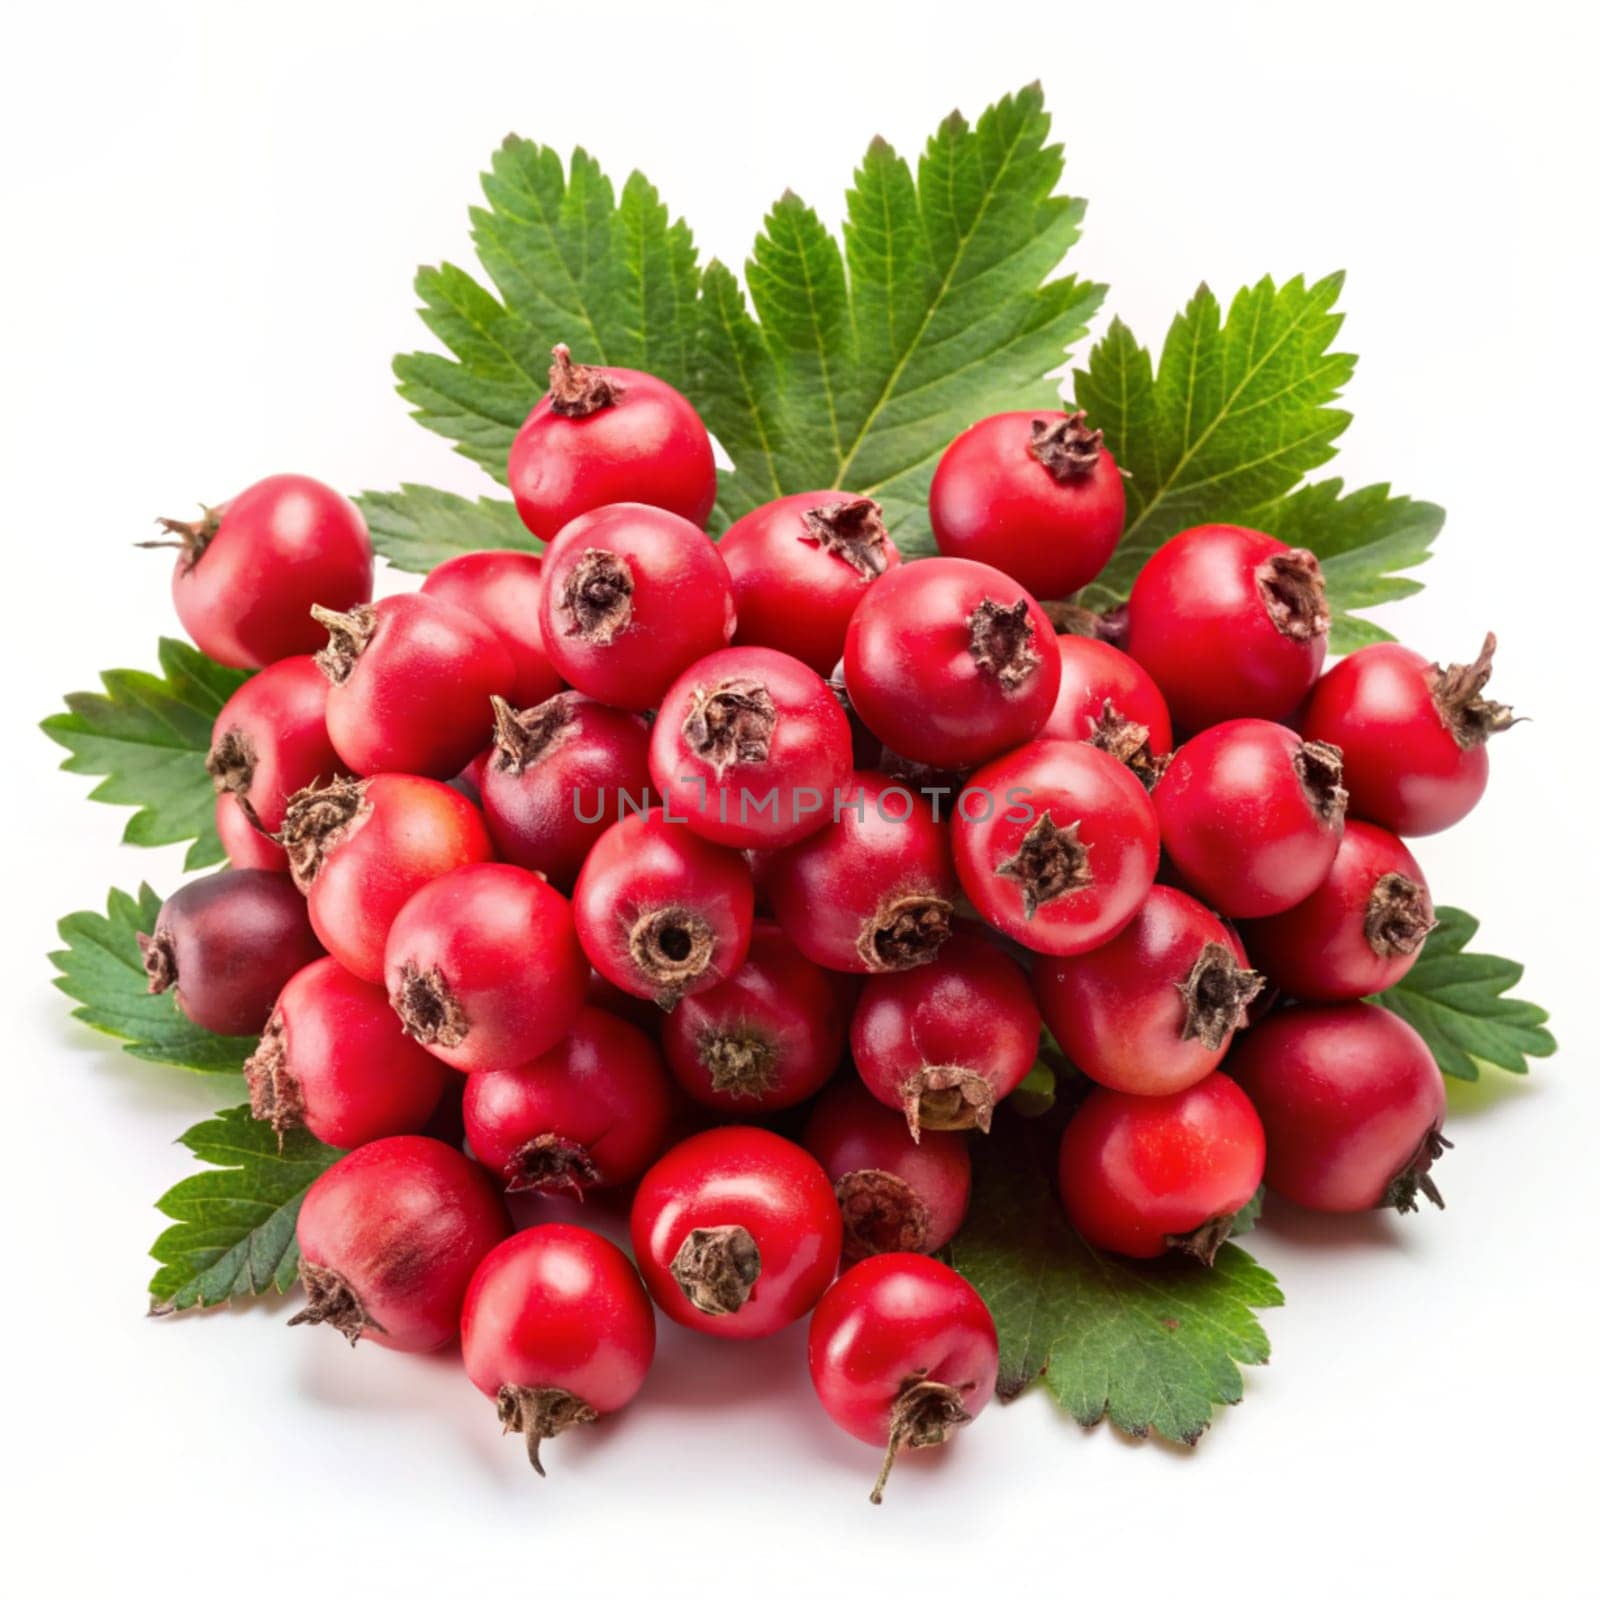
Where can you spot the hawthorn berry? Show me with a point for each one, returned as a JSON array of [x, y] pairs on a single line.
[[501, 589], [1108, 700]]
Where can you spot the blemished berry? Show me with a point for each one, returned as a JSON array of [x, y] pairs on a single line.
[[895, 1192], [484, 968], [557, 1330], [946, 1042], [359, 849], [1034, 493], [225, 945], [1353, 1104], [602, 435], [1358, 932], [1155, 1009], [390, 1236], [950, 662], [800, 567], [736, 1232], [250, 570], [1251, 815], [411, 678], [1142, 1174], [903, 1352], [1230, 622], [501, 589], [632, 596], [1108, 700], [591, 1112], [334, 1060], [1056, 845], [1413, 734]]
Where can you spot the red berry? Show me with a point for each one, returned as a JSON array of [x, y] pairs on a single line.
[[1145, 1173], [1352, 1102], [1108, 700], [895, 1192], [951, 662], [748, 748], [873, 890], [1230, 623], [1034, 493], [607, 434], [1251, 816], [736, 1232], [225, 945], [501, 589], [360, 849], [1413, 734], [335, 1061], [389, 1239], [557, 1331], [662, 913], [1056, 845], [1154, 1010], [251, 569], [903, 1352], [800, 566], [412, 676], [944, 1043]]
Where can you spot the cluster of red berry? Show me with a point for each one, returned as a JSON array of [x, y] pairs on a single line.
[[547, 824]]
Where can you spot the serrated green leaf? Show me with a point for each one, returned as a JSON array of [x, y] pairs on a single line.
[[1456, 999], [233, 1230], [149, 737], [414, 527], [1154, 1346], [101, 968]]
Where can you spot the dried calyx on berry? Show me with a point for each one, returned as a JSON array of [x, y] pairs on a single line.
[[540, 1414], [1068, 447], [924, 1414], [1320, 769], [522, 738], [1399, 916], [947, 1100], [854, 531], [274, 1091], [1001, 640], [1050, 861], [1294, 592], [596, 601], [330, 1299], [550, 1164], [191, 538], [1457, 692], [1416, 1176], [717, 1268], [1127, 741], [428, 1008], [315, 820], [1217, 994], [881, 1213], [906, 931], [671, 947], [349, 633], [577, 391], [731, 723]]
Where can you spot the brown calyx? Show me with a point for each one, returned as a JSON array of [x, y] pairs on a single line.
[[159, 951], [1399, 916], [189, 537], [1216, 996], [330, 1299], [596, 601], [671, 947], [1049, 863], [854, 531], [1127, 741], [349, 633], [924, 1413], [550, 1164], [1416, 1176], [275, 1096], [1292, 588], [1458, 694], [1203, 1242], [540, 1414], [428, 1008], [717, 1268], [523, 737], [731, 723], [316, 820], [1001, 640], [579, 391], [1067, 447], [231, 763], [743, 1064], [1320, 769], [881, 1213], [947, 1099], [906, 931]]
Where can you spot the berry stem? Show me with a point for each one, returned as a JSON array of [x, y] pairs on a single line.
[[925, 1413], [540, 1414]]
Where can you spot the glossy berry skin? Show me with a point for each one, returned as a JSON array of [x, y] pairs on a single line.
[[768, 1037], [1352, 1102], [591, 1112], [1034, 493], [484, 968], [1413, 735], [1359, 932], [736, 1232], [1251, 816], [360, 850], [390, 1236], [607, 434], [1230, 623], [873, 890], [1144, 1173], [557, 776], [501, 589], [1056, 845], [945, 1042], [411, 676], [334, 1060], [633, 596], [1094, 676], [748, 748], [226, 944], [557, 1330], [660, 912], [902, 1352], [800, 567], [252, 568], [950, 662], [895, 1192]]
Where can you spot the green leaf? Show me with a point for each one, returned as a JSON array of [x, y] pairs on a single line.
[[233, 1230], [149, 737], [101, 968], [1456, 999], [414, 527], [1154, 1346], [852, 366]]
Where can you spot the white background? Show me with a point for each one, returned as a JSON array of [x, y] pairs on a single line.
[[212, 214]]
